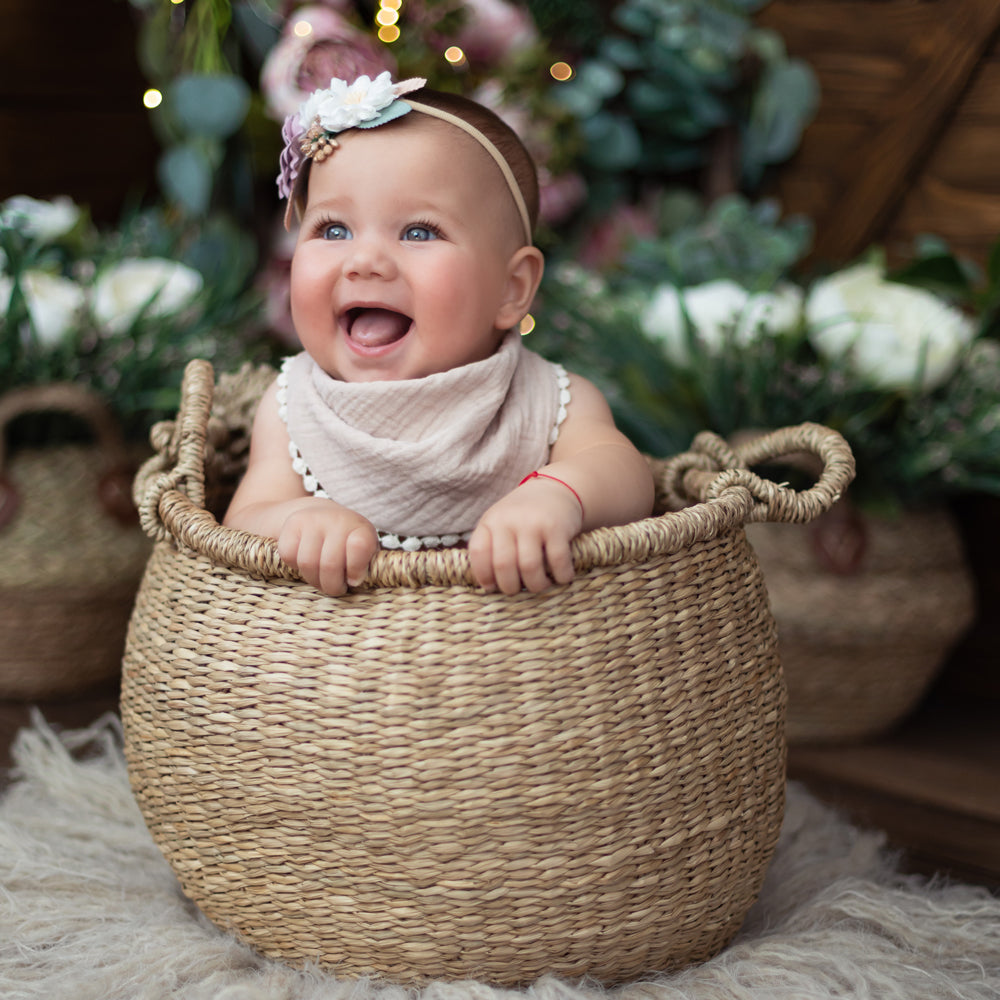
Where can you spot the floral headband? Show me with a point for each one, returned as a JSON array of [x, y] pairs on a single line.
[[310, 133]]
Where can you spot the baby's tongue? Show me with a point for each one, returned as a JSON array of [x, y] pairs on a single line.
[[378, 327]]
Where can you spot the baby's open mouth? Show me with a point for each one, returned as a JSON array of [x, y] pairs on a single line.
[[376, 327]]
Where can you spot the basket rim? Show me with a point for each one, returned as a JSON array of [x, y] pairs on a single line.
[[711, 489]]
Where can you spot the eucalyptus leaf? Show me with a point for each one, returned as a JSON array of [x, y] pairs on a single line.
[[213, 105], [613, 142], [621, 52], [578, 101], [596, 81], [634, 19], [767, 45], [647, 99], [669, 156], [259, 35], [601, 78], [785, 101], [941, 273], [185, 175]]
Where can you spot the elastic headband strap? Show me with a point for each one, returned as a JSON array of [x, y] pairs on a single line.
[[487, 144]]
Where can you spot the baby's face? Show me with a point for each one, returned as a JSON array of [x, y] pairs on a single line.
[[401, 264]]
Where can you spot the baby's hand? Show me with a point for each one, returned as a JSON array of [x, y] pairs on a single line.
[[524, 539], [329, 545]]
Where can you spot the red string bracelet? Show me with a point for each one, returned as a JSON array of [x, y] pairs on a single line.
[[545, 475]]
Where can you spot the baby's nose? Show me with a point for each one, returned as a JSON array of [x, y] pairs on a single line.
[[369, 258]]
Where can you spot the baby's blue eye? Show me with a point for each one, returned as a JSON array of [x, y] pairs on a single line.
[[336, 231], [419, 234]]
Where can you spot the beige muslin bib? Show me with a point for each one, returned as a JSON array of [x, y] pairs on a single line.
[[424, 458]]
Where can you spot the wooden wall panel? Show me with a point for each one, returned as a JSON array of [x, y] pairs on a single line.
[[71, 114], [908, 130]]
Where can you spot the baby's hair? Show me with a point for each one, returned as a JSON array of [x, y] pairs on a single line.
[[498, 132]]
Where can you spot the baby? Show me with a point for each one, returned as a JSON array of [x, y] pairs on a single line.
[[415, 417]]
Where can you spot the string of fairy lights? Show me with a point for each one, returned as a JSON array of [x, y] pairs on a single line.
[[386, 18]]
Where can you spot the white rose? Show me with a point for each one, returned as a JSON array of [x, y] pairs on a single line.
[[894, 336], [720, 313], [54, 303], [151, 286], [41, 220]]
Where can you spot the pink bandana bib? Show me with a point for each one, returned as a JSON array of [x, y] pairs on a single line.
[[423, 459]]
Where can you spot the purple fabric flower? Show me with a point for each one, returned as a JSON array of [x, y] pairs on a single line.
[[290, 163]]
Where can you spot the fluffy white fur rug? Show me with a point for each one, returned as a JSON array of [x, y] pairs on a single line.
[[90, 911]]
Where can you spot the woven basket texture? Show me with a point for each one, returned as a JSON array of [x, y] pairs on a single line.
[[70, 565], [861, 643], [419, 780]]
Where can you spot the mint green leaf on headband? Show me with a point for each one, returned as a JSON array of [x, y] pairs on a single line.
[[395, 110]]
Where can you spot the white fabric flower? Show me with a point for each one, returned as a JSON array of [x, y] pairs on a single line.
[[54, 303], [720, 313], [41, 220], [893, 336], [343, 105], [150, 285]]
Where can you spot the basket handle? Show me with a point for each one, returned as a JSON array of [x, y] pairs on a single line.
[[179, 463], [85, 404], [712, 468]]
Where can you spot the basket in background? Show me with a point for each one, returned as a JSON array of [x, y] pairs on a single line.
[[72, 552]]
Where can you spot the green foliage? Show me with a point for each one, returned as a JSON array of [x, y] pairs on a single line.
[[735, 238], [672, 74], [133, 355]]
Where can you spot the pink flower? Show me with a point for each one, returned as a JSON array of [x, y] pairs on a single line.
[[609, 238], [274, 282], [300, 64], [559, 197], [494, 29]]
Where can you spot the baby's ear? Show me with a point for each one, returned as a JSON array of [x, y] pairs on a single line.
[[524, 274]]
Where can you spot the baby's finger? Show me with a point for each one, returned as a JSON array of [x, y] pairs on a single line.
[[331, 570], [302, 551], [360, 547], [531, 564], [481, 558], [506, 565], [559, 557]]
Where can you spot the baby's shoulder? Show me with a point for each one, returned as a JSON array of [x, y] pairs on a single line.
[[586, 400], [268, 408]]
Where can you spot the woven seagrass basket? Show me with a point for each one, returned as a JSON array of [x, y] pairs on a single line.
[[867, 610], [71, 549], [422, 781]]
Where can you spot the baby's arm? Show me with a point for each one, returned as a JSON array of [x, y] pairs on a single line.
[[328, 544], [599, 479]]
